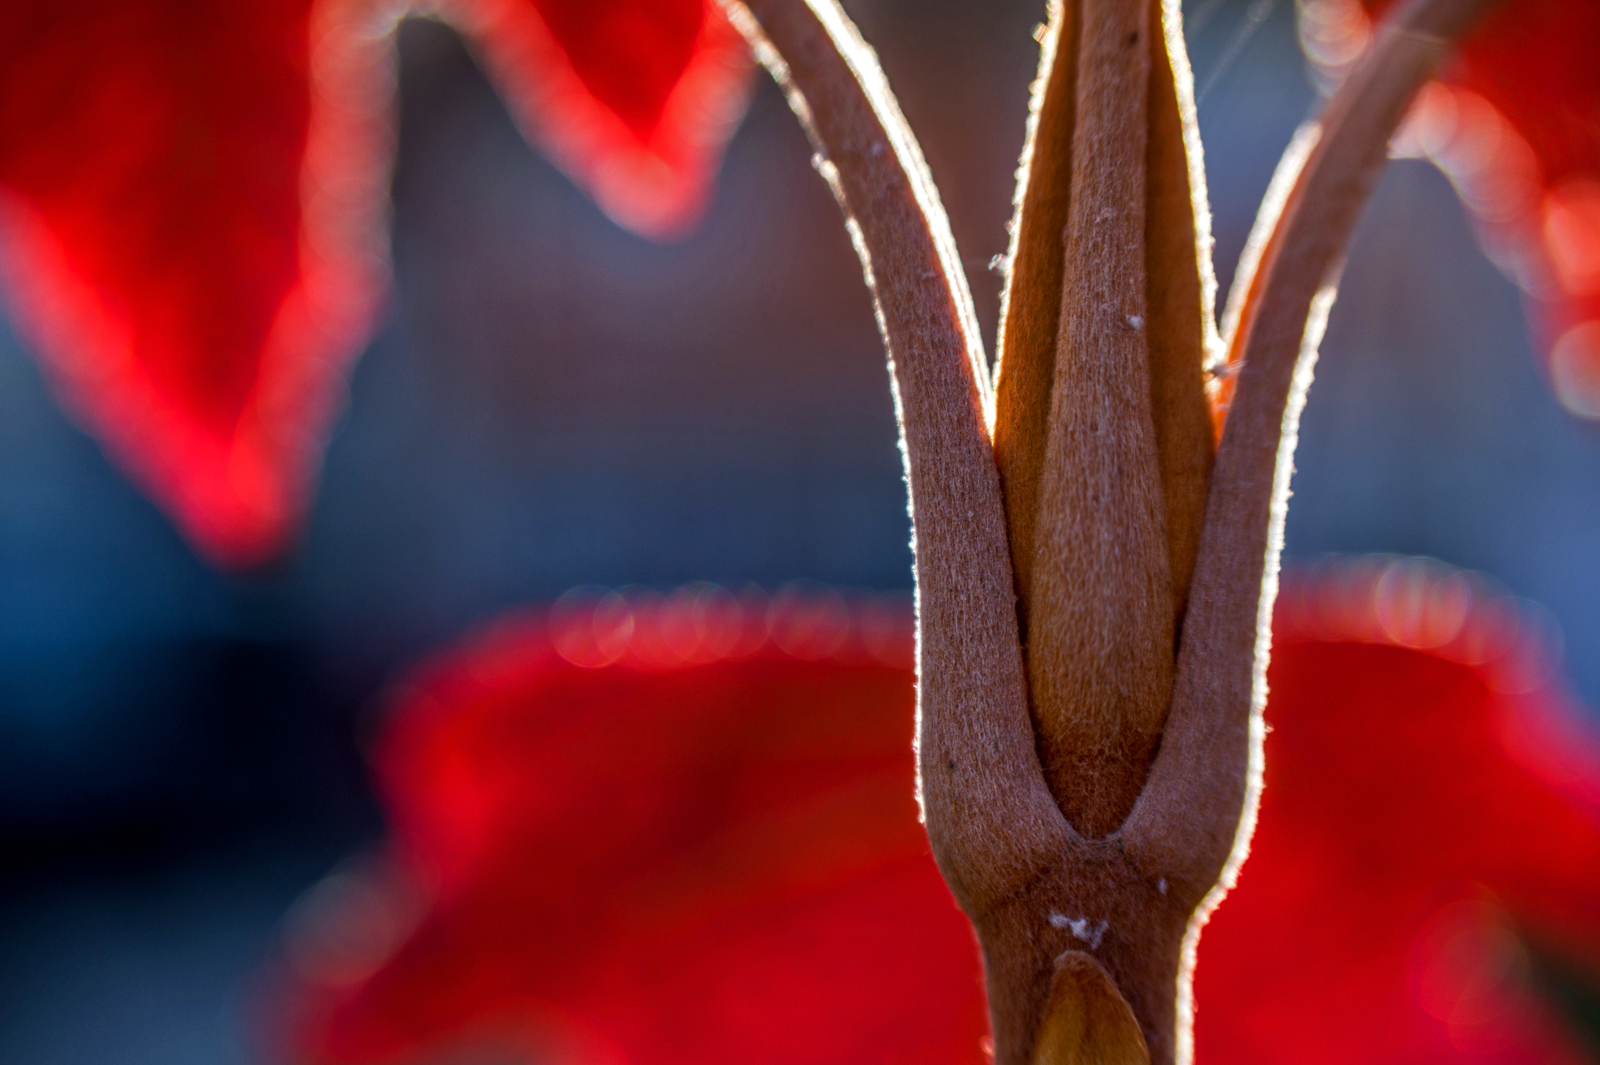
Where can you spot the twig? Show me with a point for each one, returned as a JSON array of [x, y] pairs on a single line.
[[1197, 812], [989, 815], [1101, 638], [1030, 312], [1079, 931], [1276, 327]]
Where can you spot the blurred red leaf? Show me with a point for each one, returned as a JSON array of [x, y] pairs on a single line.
[[1515, 122], [1431, 810], [191, 206], [715, 860], [696, 846]]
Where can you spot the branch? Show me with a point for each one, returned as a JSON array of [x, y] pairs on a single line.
[[990, 818], [1102, 621], [1188, 822], [1030, 883], [1102, 430]]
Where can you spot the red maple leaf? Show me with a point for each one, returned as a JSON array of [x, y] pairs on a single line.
[[657, 833], [191, 205], [1515, 122]]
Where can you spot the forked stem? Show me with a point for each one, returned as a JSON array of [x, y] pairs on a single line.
[[1055, 913], [1276, 318], [989, 815]]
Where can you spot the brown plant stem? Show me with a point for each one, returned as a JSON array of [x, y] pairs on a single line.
[[1100, 642], [1030, 312], [1277, 317], [990, 817], [1079, 935], [1182, 294], [1206, 778], [1104, 334]]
